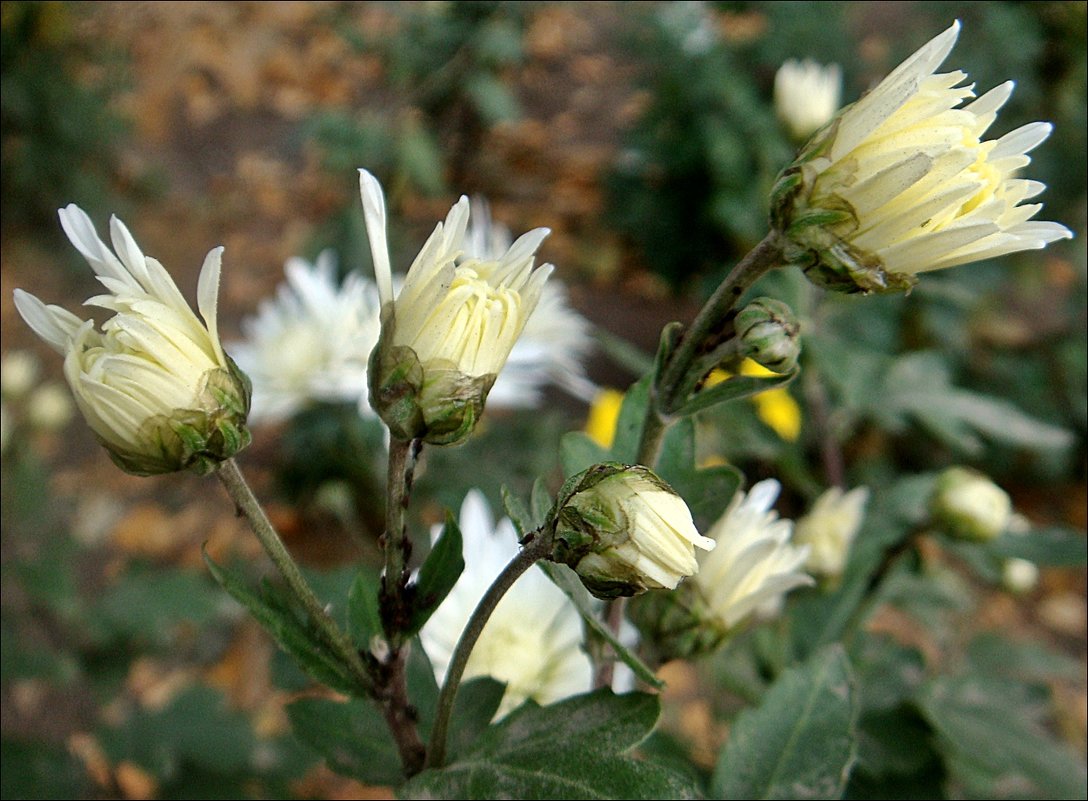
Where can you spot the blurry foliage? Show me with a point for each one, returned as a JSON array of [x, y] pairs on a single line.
[[446, 67], [59, 136]]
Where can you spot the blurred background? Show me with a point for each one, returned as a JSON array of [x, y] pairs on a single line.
[[644, 135]]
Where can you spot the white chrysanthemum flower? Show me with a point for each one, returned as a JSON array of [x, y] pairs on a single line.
[[753, 565], [623, 531], [154, 384], [902, 182], [449, 330], [555, 341], [533, 640], [311, 342], [806, 95], [829, 529]]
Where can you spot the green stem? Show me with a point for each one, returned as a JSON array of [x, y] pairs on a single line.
[[531, 553], [714, 323], [395, 543], [243, 497]]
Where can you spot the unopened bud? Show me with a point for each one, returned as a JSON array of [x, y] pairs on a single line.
[[624, 531], [768, 334], [970, 504]]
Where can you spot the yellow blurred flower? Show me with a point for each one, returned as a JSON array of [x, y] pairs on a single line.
[[603, 414], [775, 407]]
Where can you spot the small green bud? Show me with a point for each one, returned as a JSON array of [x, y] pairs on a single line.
[[768, 334], [624, 530], [970, 505]]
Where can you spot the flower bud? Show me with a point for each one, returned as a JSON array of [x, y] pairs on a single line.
[[970, 504], [448, 332], [624, 530], [49, 408], [154, 384], [768, 334], [902, 182]]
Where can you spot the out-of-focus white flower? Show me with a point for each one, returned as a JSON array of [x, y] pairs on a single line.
[[753, 565], [154, 384], [829, 529], [556, 340], [18, 373], [1019, 575], [449, 330], [970, 504], [901, 182], [623, 531], [533, 640], [806, 95], [49, 407], [311, 342]]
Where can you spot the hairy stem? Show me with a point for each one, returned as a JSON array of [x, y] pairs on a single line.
[[243, 497], [531, 553], [395, 543]]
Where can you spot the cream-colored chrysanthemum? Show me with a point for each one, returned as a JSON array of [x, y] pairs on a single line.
[[806, 95], [623, 531], [555, 341], [154, 384], [970, 505], [449, 330], [754, 564], [533, 640], [829, 529], [902, 182], [311, 342]]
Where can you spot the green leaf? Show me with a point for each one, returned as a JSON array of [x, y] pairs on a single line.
[[800, 742], [352, 737], [577, 452], [588, 607], [364, 614], [1055, 546], [573, 749], [995, 655], [478, 700], [422, 687], [517, 512], [278, 616], [629, 423], [992, 735], [734, 388], [440, 571]]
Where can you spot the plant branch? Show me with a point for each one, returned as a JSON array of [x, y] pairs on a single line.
[[531, 553], [395, 543], [246, 502]]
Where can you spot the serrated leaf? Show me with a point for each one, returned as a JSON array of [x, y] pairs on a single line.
[[288, 627], [992, 737], [364, 614], [440, 571], [352, 737], [800, 742], [573, 749], [567, 580]]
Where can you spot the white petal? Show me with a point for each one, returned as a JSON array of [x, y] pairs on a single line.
[[207, 297], [374, 216], [56, 326]]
